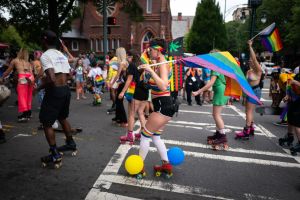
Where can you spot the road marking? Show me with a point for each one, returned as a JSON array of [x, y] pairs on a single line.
[[110, 175], [239, 150], [206, 113], [162, 186], [265, 100], [235, 159], [209, 125], [96, 194]]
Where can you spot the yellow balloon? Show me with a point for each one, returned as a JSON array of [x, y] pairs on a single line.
[[134, 164]]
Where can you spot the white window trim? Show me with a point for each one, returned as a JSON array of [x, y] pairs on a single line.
[[77, 44], [118, 43], [91, 44], [101, 45], [107, 45], [97, 45], [112, 43], [149, 6]]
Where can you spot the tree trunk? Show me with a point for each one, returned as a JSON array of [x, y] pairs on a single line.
[[53, 16]]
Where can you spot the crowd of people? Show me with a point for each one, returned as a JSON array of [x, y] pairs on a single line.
[[146, 89]]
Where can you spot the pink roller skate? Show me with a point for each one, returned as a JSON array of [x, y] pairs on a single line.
[[252, 129], [244, 135], [137, 136], [127, 138], [165, 169]]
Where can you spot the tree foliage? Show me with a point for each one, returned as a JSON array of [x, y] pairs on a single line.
[[208, 29]]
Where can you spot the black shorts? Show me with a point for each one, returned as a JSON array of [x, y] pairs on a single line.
[[141, 94], [164, 105], [293, 115], [55, 105]]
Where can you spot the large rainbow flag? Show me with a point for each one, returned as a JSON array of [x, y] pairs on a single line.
[[270, 38], [224, 63]]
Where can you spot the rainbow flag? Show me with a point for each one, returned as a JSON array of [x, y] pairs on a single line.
[[224, 63], [145, 58], [270, 38], [130, 91]]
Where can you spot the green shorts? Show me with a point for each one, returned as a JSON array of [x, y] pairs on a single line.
[[219, 98]]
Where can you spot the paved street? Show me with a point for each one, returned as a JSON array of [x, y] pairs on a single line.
[[254, 169]]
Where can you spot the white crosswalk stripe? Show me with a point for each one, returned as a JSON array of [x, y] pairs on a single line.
[[110, 174]]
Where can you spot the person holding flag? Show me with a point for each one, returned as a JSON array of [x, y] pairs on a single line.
[[159, 83], [253, 75]]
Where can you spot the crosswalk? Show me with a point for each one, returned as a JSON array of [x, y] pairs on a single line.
[[196, 150]]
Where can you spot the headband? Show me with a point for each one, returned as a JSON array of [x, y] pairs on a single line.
[[156, 46]]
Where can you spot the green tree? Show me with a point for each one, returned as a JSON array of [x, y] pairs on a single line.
[[293, 36], [10, 35], [208, 30]]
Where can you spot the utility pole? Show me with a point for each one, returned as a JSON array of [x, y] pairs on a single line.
[[225, 10], [104, 14]]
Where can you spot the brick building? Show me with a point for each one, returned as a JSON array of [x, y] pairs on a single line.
[[87, 32]]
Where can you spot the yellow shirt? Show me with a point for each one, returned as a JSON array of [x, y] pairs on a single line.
[[283, 78]]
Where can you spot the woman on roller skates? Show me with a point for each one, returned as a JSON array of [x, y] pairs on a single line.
[[138, 102], [293, 114], [159, 83], [253, 75], [218, 84], [120, 78]]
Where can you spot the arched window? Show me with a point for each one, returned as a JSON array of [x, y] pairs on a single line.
[[146, 39], [149, 6]]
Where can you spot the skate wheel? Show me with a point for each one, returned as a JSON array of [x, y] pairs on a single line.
[[226, 147], [209, 142], [74, 153], [44, 165], [157, 174], [168, 176], [57, 165]]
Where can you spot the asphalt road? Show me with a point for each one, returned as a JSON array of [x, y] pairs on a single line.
[[254, 169]]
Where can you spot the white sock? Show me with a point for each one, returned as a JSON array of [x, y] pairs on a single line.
[[144, 146], [222, 131], [161, 147]]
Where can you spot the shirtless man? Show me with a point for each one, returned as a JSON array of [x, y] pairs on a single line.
[[25, 83], [56, 102]]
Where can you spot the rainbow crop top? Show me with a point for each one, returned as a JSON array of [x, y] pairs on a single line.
[[155, 89]]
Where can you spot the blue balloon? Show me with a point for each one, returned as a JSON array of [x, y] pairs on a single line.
[[175, 155]]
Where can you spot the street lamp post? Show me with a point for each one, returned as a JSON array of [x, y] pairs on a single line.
[[253, 4]]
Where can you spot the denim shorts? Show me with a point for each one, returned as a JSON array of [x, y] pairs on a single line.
[[257, 91], [79, 78]]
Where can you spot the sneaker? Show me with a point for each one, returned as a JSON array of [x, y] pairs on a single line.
[[281, 123]]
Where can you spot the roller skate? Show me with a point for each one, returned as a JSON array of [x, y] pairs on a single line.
[[295, 149], [127, 138], [220, 143], [97, 100], [54, 158], [2, 137], [286, 140], [165, 169], [111, 110], [244, 135], [213, 137], [252, 129], [141, 175], [69, 146], [137, 136], [23, 117]]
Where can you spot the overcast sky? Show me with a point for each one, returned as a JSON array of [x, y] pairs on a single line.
[[188, 7]]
